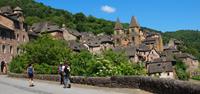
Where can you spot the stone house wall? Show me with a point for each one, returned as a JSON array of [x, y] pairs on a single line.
[[67, 36]]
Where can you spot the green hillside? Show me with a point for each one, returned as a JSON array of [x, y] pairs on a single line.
[[191, 39], [36, 12]]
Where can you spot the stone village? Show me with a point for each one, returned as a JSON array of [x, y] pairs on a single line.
[[138, 44]]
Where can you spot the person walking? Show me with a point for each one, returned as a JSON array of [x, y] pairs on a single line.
[[30, 72], [60, 71], [67, 76]]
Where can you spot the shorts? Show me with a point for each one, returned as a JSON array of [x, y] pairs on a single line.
[[30, 75]]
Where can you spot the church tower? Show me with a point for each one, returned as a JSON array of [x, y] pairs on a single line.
[[118, 32], [159, 43], [134, 32], [118, 28]]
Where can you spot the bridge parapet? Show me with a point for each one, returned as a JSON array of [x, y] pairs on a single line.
[[155, 85]]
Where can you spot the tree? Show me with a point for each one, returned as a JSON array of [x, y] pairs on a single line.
[[181, 70], [45, 53], [80, 18]]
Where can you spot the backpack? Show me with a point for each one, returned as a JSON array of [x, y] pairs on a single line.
[[66, 71], [60, 69], [30, 70]]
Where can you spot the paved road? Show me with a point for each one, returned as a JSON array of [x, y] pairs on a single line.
[[20, 86]]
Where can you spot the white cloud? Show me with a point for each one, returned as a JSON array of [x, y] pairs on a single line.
[[108, 9]]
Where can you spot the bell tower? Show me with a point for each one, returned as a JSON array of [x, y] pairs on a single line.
[[118, 28], [134, 32]]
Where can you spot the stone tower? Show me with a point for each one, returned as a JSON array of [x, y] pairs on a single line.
[[18, 12], [118, 28], [118, 32], [134, 32], [159, 43]]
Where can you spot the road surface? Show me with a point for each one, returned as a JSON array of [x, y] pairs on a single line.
[[20, 86]]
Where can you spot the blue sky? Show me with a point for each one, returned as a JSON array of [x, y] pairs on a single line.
[[164, 15]]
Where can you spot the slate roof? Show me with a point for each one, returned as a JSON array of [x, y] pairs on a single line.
[[185, 55], [43, 27], [149, 34], [104, 39], [74, 32], [33, 34], [163, 59], [176, 41], [6, 9], [143, 48], [93, 43], [150, 41], [76, 46], [129, 51], [17, 9], [172, 49], [118, 25], [134, 22], [86, 34], [160, 67]]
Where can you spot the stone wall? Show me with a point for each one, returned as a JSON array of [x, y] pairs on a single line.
[[160, 86]]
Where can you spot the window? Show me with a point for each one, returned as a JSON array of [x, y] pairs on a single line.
[[133, 38], [4, 48], [18, 37], [24, 38], [168, 74], [3, 35], [11, 49], [18, 51]]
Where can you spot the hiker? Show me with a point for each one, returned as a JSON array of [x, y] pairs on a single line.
[[30, 72], [67, 76], [60, 71]]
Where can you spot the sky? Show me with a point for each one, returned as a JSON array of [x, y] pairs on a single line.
[[163, 15]]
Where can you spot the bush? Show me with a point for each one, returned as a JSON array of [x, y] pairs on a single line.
[[44, 53], [107, 64], [196, 77], [181, 70]]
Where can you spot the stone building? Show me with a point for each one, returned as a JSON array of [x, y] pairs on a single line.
[[129, 52], [190, 61], [13, 32], [132, 35], [161, 69], [174, 43], [47, 28]]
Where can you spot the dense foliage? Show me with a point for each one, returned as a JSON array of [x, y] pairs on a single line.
[[45, 13], [46, 54], [107, 64], [181, 70], [196, 78], [190, 38], [77, 21]]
